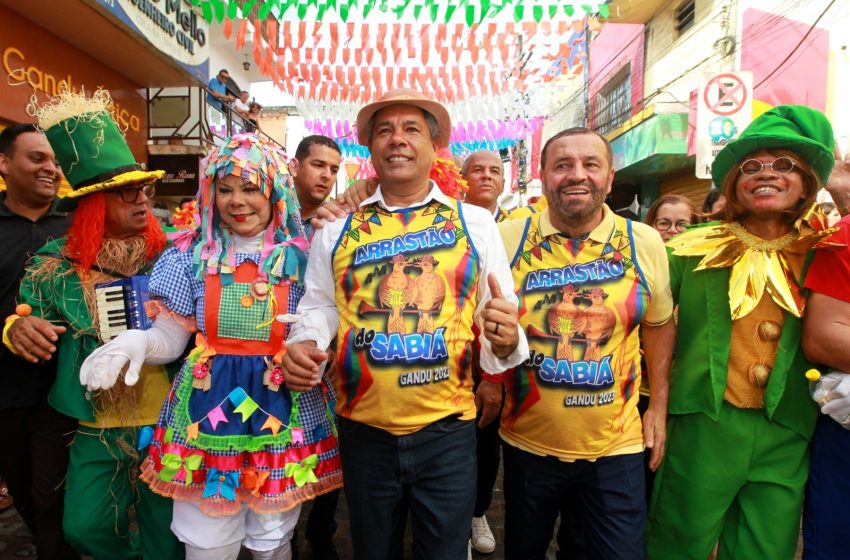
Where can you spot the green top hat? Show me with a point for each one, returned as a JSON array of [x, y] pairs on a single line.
[[92, 152], [803, 130]]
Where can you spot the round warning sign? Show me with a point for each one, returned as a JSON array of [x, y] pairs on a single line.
[[725, 94]]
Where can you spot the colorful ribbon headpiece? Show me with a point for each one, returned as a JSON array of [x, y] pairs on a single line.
[[259, 161]]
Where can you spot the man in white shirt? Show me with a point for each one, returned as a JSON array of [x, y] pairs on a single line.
[[400, 283], [485, 174], [241, 106]]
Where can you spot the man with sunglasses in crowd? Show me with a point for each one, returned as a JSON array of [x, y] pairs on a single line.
[[217, 94], [112, 236]]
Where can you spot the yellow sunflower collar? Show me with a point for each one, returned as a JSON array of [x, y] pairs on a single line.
[[756, 263]]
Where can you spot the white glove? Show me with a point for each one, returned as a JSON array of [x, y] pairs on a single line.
[[103, 366], [161, 344], [837, 402]]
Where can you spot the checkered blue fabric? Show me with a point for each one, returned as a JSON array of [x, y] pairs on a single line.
[[176, 285]]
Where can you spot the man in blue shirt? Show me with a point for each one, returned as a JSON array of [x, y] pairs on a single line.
[[217, 90]]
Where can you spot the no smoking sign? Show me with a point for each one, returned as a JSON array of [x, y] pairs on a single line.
[[725, 94], [724, 109]]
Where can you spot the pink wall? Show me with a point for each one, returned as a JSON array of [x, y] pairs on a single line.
[[616, 45], [766, 40]]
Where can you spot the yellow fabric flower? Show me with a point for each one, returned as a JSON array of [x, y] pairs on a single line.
[[756, 264]]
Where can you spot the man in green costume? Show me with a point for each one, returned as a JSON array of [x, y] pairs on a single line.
[[112, 236], [740, 417]]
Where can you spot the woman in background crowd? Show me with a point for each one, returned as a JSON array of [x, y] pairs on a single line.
[[671, 214], [714, 202]]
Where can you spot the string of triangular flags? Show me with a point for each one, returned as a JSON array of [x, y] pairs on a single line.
[[467, 136], [500, 67], [409, 11], [246, 407]]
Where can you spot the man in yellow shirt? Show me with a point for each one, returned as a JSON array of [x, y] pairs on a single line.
[[400, 284], [587, 281]]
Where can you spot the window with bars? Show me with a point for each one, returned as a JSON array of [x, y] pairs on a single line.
[[685, 16], [613, 101]]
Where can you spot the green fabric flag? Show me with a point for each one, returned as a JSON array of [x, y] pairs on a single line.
[[265, 9], [450, 9], [246, 408], [485, 9]]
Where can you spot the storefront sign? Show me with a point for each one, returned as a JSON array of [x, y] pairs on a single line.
[[20, 72], [724, 109], [181, 173], [35, 65], [662, 134], [171, 26]]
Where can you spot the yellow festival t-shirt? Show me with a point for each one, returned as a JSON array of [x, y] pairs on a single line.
[[522, 212], [581, 303], [407, 294]]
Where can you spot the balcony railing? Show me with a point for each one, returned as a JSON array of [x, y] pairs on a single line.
[[184, 115]]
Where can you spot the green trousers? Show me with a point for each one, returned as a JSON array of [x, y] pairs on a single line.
[[738, 481], [109, 513]]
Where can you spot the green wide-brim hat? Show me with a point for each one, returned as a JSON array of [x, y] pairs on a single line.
[[802, 130], [90, 149]]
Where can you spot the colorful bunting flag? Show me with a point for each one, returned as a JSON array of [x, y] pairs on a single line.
[[237, 395], [246, 408], [408, 11], [215, 416], [272, 424]]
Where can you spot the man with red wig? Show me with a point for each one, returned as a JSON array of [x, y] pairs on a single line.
[[113, 235]]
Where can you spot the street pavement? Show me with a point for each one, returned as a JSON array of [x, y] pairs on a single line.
[[15, 540]]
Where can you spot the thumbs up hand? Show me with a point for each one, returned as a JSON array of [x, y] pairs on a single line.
[[500, 320]]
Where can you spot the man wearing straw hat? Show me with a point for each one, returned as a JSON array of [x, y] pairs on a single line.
[[112, 236], [400, 283]]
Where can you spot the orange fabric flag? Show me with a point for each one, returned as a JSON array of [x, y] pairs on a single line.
[[271, 33], [240, 34]]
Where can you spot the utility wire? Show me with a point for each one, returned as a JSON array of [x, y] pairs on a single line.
[[799, 44], [758, 34]]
